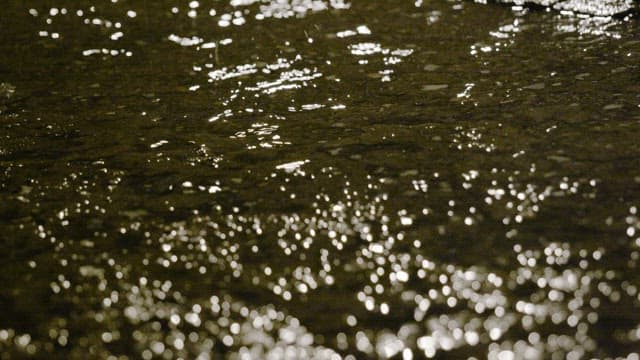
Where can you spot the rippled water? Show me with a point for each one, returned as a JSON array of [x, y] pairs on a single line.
[[319, 179]]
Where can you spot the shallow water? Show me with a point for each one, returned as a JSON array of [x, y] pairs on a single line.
[[318, 179]]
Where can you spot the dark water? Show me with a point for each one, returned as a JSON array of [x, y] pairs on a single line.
[[317, 179]]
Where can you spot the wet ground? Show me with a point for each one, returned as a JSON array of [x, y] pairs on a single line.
[[319, 179]]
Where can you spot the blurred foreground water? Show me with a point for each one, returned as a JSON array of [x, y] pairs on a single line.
[[321, 179]]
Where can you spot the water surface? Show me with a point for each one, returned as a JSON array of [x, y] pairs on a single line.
[[318, 179]]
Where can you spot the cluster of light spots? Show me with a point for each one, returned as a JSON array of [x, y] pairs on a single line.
[[167, 324], [593, 8], [472, 139], [89, 17], [105, 51], [189, 188], [604, 8], [242, 9], [360, 30], [595, 26], [264, 134], [235, 18], [186, 41], [465, 95], [285, 81], [282, 9], [364, 50], [203, 155], [585, 17], [228, 73], [355, 232], [292, 79], [10, 338], [367, 48], [504, 37], [633, 225]]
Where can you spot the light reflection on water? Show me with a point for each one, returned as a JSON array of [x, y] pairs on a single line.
[[319, 179]]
